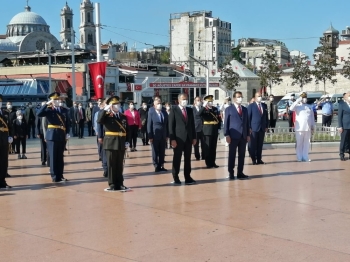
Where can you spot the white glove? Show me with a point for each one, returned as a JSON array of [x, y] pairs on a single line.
[[127, 144], [67, 136], [299, 99], [10, 139], [107, 108], [205, 103], [50, 102]]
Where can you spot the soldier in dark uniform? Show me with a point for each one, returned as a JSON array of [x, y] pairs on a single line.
[[114, 142], [211, 126], [56, 135], [40, 131], [5, 140]]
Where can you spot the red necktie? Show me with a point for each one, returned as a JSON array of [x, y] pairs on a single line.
[[259, 106], [239, 110], [184, 113]]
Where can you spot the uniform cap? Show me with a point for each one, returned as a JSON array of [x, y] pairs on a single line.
[[113, 100], [208, 98], [303, 95], [54, 96], [0, 98]]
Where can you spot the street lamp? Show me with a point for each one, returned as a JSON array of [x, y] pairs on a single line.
[[207, 72], [48, 51]]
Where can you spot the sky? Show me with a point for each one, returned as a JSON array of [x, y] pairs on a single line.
[[298, 23]]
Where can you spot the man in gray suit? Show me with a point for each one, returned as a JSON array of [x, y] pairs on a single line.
[[344, 125], [272, 112]]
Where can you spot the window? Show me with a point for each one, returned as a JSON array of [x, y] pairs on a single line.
[[90, 39], [89, 17], [82, 39], [68, 23], [216, 95], [211, 23]]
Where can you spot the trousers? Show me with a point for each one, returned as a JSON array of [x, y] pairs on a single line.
[[303, 145], [56, 151], [115, 166]]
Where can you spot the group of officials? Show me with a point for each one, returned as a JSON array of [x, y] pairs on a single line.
[[183, 126]]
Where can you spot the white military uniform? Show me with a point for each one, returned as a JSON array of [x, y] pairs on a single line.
[[304, 125]]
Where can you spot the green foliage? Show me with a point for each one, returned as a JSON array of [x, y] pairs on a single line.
[[236, 54], [346, 69], [229, 78], [270, 72], [165, 57], [324, 63], [302, 72]]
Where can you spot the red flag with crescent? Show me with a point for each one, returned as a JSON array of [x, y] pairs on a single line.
[[98, 75]]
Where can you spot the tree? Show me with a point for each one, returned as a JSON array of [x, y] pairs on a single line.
[[302, 72], [229, 78], [250, 66], [346, 69], [325, 60], [236, 54], [270, 72], [165, 57]]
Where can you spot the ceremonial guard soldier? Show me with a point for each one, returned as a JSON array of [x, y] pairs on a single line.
[[56, 135], [211, 126], [5, 140], [114, 142]]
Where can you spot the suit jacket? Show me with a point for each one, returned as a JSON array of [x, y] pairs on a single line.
[[156, 129], [89, 114], [11, 116], [257, 121], [274, 112], [29, 115], [4, 123], [304, 116], [39, 127], [55, 118], [209, 116], [198, 123], [77, 115], [179, 128], [72, 112], [20, 129], [112, 124], [236, 126], [344, 115]]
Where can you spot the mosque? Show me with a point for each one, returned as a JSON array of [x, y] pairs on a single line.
[[28, 31]]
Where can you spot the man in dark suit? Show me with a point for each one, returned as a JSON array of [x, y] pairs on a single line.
[[56, 135], [344, 125], [80, 120], [182, 135], [211, 126], [88, 115], [143, 111], [199, 128], [258, 121], [114, 142], [237, 134], [29, 117], [158, 132], [40, 131], [20, 134], [11, 116], [72, 113], [272, 113], [5, 140]]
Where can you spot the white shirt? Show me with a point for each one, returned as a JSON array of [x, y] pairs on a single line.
[[259, 104], [304, 116], [160, 115], [133, 115]]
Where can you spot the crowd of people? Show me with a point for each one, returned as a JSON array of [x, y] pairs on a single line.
[[162, 126]]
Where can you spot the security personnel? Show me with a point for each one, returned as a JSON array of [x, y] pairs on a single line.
[[114, 142], [211, 126], [56, 135], [5, 140]]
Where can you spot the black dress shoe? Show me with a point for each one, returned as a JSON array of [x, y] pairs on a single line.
[[7, 175], [163, 169], [231, 176], [242, 176], [43, 163], [176, 182], [260, 162], [105, 174], [254, 163], [209, 166], [215, 165], [100, 159], [157, 169], [342, 158], [190, 181], [5, 186], [197, 158]]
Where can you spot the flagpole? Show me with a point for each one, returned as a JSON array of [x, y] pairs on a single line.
[[74, 91], [98, 32]]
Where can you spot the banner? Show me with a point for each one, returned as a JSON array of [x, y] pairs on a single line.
[[98, 74], [182, 85]]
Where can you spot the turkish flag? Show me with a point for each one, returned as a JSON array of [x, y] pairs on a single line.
[[98, 74]]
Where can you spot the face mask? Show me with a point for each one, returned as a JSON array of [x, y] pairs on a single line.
[[159, 106], [292, 97], [258, 99], [91, 106], [168, 108], [271, 99], [19, 117], [60, 104], [304, 100], [327, 100], [239, 100], [144, 106], [349, 98], [80, 107], [198, 103], [210, 104], [56, 103], [75, 105], [8, 106], [184, 103], [116, 107], [131, 106]]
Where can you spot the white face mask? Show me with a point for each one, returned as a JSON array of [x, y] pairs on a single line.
[[80, 107], [168, 108], [116, 107], [349, 98], [271, 99], [19, 117], [60, 104], [304, 100], [258, 99], [159, 107], [131, 107], [327, 100], [239, 100], [184, 103], [210, 104], [8, 106], [56, 103], [198, 103], [144, 106]]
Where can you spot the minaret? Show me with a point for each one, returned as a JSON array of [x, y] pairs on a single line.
[[66, 23], [87, 26], [331, 37]]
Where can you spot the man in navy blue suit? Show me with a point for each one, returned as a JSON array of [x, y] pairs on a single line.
[[258, 123], [237, 134], [344, 125], [158, 133]]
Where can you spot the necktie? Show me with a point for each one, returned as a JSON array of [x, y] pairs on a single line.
[[81, 114], [184, 113], [161, 117], [239, 110], [117, 116], [259, 106]]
